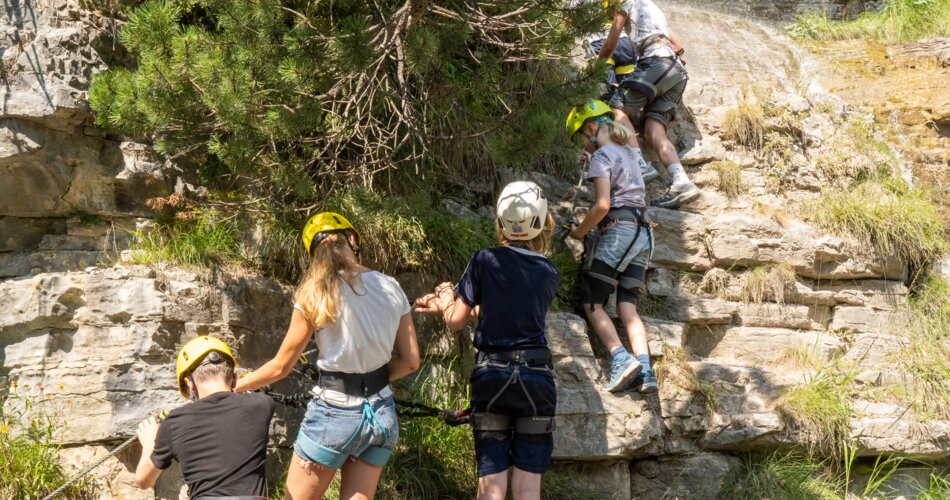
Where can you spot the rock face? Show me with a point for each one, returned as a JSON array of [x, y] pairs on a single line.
[[745, 300]]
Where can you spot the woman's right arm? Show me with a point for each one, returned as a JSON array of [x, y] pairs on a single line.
[[408, 359], [298, 334]]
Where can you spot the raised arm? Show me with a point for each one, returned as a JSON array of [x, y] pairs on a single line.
[[407, 361], [613, 36], [146, 473], [455, 311], [298, 334]]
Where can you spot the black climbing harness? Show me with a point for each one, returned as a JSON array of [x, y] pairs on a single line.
[[617, 215], [535, 360]]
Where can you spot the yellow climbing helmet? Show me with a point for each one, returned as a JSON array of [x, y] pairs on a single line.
[[193, 353], [326, 222], [580, 114]]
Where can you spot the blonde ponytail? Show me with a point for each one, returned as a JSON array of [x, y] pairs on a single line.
[[319, 291], [618, 133]]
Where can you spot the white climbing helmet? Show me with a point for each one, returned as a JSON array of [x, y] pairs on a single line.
[[522, 210]]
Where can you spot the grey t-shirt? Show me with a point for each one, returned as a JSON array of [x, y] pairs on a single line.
[[620, 165]]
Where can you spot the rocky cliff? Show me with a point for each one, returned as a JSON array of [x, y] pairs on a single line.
[[747, 299]]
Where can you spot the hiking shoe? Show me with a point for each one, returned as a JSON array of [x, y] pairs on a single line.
[[645, 383], [677, 195], [648, 172], [622, 373]]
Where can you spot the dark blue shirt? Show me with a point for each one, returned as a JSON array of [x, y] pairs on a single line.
[[514, 288]]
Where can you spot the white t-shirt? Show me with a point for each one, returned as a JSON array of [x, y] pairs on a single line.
[[362, 337], [619, 164], [644, 19]]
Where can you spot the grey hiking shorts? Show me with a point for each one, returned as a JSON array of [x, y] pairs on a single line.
[[668, 84]]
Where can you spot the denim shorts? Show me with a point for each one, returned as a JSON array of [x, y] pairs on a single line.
[[616, 239], [497, 451], [330, 434]]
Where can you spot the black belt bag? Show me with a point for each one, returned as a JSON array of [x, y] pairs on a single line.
[[535, 358], [355, 384]]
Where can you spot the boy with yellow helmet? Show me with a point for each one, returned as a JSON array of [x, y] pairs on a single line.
[[215, 460]]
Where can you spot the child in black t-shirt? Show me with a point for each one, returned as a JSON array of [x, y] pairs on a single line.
[[510, 288], [220, 439]]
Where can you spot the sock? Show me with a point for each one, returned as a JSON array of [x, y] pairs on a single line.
[[640, 160], [619, 354], [644, 360], [677, 174]]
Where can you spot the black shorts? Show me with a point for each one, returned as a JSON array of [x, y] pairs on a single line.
[[663, 107], [497, 451], [629, 287]]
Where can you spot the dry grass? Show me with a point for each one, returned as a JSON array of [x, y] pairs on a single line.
[[745, 124], [674, 369], [766, 283], [730, 178]]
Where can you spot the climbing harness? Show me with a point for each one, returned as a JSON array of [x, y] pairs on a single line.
[[535, 360], [364, 385], [623, 214], [118, 449]]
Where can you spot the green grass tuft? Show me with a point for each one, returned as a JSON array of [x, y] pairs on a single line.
[[897, 21], [888, 216], [783, 476], [29, 462], [205, 240], [820, 412], [569, 267], [937, 489], [926, 355]]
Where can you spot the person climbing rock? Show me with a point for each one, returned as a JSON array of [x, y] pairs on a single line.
[[216, 461], [654, 89], [622, 254], [509, 288], [621, 62], [357, 315]]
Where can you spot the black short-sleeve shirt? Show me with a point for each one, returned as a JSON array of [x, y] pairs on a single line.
[[514, 288], [220, 442]]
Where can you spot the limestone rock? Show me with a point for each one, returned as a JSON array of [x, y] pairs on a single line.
[[679, 240], [784, 316], [608, 480], [592, 423], [754, 346], [700, 476], [744, 240], [696, 311], [860, 319], [877, 294]]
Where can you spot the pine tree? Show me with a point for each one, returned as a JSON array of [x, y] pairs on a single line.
[[286, 101]]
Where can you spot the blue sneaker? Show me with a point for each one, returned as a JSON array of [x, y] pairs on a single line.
[[645, 383], [622, 373]]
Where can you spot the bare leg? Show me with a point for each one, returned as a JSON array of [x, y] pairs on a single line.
[[634, 327], [493, 487], [307, 480], [358, 480], [525, 485], [622, 118], [655, 134], [603, 326]]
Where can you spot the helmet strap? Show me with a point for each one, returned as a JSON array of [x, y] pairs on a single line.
[[193, 390]]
